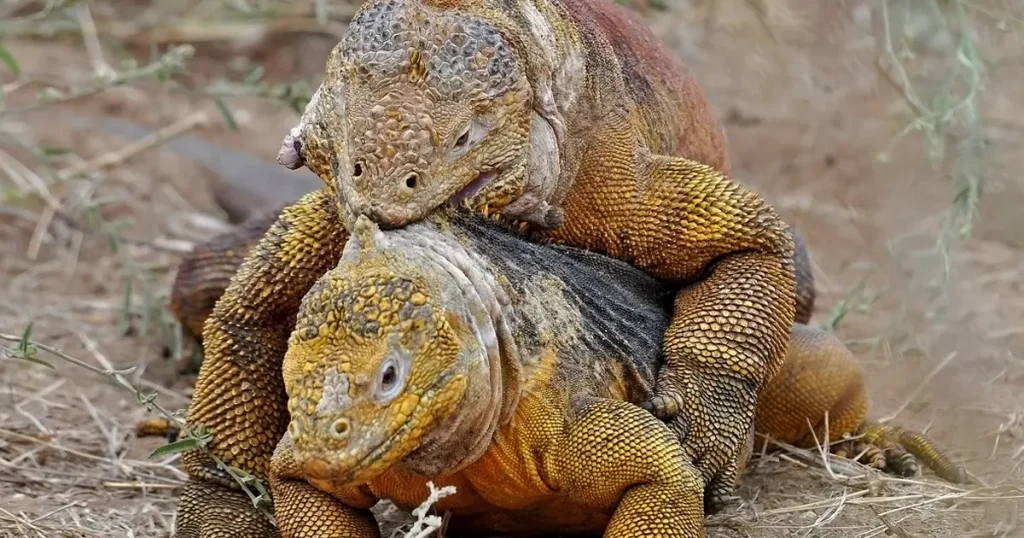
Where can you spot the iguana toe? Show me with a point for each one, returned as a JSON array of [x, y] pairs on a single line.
[[900, 452], [664, 406]]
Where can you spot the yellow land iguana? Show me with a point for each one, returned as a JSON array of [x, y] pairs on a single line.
[[616, 315], [570, 117], [451, 351]]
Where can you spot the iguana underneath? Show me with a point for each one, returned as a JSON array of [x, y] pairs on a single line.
[[567, 115], [819, 374], [451, 351]]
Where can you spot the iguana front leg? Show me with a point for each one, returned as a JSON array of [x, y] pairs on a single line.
[[723, 330], [683, 221], [239, 395], [303, 511], [619, 457], [720, 350], [206, 272]]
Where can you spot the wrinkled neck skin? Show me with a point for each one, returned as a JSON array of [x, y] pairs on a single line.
[[557, 66], [469, 290]]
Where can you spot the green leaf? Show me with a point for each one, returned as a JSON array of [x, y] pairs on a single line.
[[254, 76], [36, 360], [54, 152], [27, 352], [229, 117], [8, 59], [181, 445], [25, 345]]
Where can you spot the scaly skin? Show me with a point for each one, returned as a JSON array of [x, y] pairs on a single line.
[[446, 352], [239, 395], [819, 376], [570, 116], [206, 272]]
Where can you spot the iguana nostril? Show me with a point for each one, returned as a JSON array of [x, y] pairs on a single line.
[[339, 429], [412, 180]]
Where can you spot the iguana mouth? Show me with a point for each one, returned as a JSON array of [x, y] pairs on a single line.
[[473, 188], [350, 473], [379, 452]]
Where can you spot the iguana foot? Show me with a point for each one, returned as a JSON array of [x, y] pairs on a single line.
[[720, 489], [891, 457], [665, 406], [712, 421], [720, 485], [897, 451]]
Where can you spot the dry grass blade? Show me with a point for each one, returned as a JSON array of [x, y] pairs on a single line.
[[892, 527], [917, 391]]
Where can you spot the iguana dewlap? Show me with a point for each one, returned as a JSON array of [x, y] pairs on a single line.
[[451, 351]]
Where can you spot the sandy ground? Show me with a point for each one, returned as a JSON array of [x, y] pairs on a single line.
[[807, 118]]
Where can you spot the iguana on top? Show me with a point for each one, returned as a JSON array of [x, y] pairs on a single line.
[[564, 114], [451, 351], [569, 117]]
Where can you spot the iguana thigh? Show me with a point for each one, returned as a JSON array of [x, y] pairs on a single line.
[[819, 397]]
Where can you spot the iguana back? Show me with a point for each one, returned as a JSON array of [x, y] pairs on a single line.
[[622, 311]]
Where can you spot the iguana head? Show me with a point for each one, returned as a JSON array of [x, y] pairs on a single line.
[[394, 358], [423, 102]]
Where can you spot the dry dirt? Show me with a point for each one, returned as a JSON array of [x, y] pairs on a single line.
[[807, 116]]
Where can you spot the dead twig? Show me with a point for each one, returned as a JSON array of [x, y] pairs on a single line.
[[149, 141]]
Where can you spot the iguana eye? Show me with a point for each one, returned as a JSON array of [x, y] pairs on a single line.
[[463, 138], [390, 379]]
